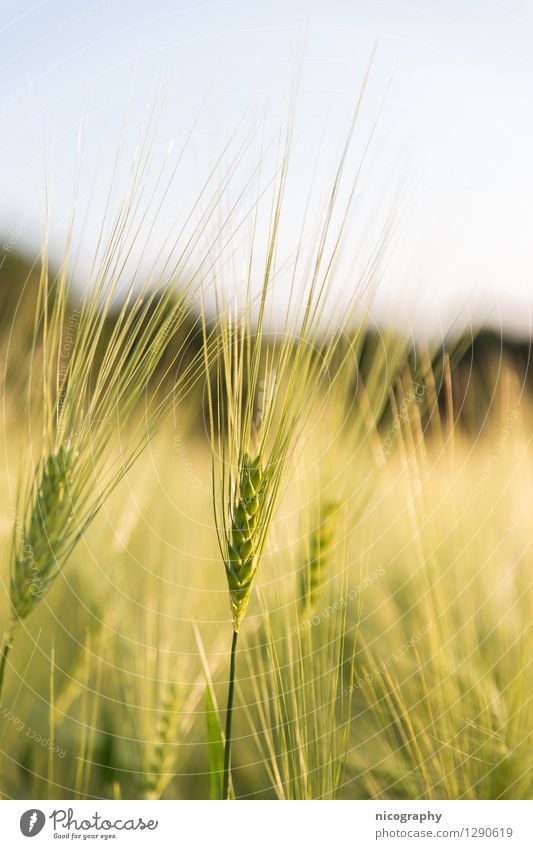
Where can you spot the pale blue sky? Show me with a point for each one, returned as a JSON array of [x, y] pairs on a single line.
[[458, 116]]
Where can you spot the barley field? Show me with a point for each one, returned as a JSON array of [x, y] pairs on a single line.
[[255, 559]]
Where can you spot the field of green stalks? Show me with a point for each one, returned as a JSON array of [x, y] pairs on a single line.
[[402, 674], [265, 560]]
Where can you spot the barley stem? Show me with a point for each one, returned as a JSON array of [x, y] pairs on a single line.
[[229, 719]]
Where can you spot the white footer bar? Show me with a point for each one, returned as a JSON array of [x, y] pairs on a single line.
[[267, 825]]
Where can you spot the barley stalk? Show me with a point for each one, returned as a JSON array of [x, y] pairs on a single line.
[[226, 782]]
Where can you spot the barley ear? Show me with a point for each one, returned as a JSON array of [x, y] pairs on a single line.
[[313, 571], [42, 539], [159, 764], [243, 546]]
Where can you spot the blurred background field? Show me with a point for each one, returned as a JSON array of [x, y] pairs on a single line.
[[406, 677]]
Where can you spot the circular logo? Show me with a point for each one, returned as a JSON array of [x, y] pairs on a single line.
[[32, 822]]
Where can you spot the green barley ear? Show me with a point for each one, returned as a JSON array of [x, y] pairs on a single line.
[[244, 545], [321, 540], [161, 753], [42, 539]]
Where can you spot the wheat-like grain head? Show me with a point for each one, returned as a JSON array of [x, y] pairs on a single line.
[[38, 547], [243, 550], [321, 540]]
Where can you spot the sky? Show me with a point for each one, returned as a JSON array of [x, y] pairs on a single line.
[[450, 86]]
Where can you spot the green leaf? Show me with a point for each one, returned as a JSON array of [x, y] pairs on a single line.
[[215, 746]]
